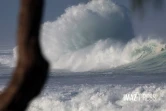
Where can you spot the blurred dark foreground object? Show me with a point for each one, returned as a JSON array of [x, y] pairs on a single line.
[[31, 71]]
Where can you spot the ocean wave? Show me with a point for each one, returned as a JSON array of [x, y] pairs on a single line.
[[81, 30], [92, 37]]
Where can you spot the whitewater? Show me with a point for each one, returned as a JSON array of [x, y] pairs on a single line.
[[97, 62]]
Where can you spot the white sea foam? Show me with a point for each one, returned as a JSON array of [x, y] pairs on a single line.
[[102, 98]]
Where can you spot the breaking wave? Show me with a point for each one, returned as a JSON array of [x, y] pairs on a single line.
[[90, 37], [94, 36]]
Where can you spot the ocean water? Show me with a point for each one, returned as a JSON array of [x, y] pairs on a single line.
[[97, 62]]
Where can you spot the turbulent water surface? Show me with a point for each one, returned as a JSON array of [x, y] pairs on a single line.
[[97, 63]]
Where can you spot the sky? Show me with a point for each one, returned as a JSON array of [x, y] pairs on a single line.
[[153, 22]]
